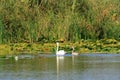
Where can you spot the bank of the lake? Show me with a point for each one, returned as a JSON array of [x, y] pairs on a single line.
[[83, 46]]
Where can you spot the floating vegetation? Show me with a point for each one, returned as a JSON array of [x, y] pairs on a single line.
[[81, 47]]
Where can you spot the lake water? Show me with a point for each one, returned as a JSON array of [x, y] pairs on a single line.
[[51, 67]]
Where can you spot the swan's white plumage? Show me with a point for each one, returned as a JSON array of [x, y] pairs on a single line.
[[59, 52], [16, 58]]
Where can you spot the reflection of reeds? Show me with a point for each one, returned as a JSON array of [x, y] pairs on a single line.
[[50, 20]]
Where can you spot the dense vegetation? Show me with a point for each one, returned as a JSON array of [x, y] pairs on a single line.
[[50, 20], [83, 46]]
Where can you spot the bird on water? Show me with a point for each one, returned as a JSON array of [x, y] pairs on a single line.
[[59, 52]]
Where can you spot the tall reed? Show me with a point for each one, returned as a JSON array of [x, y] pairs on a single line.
[[1, 31], [50, 20]]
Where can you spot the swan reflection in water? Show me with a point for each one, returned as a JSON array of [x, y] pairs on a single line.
[[59, 65]]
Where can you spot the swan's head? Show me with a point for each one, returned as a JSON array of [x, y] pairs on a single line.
[[57, 43]]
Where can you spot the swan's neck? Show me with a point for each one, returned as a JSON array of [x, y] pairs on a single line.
[[57, 47], [73, 50]]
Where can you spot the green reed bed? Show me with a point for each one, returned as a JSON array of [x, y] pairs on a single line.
[[45, 21], [82, 46]]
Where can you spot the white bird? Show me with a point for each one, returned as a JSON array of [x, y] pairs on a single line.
[[74, 53], [16, 58], [59, 52]]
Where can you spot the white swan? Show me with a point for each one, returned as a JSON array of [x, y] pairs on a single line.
[[60, 52], [74, 53], [16, 58]]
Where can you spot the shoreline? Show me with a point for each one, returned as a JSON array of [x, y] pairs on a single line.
[[83, 46]]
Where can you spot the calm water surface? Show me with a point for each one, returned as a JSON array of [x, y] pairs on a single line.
[[50, 67]]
